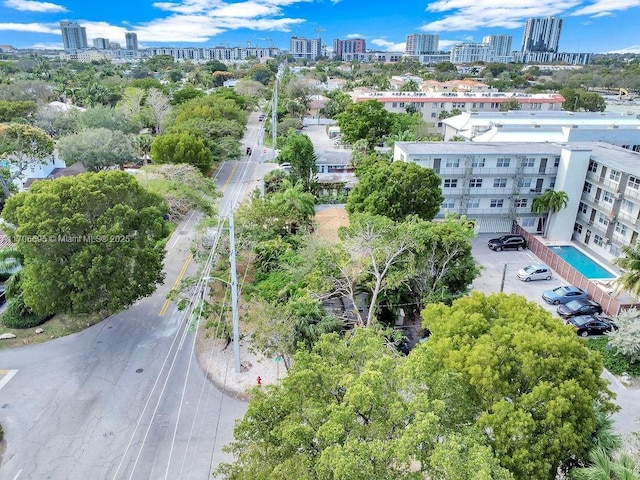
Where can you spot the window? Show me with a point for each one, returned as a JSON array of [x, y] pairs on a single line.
[[475, 183], [593, 166], [607, 197], [586, 188], [598, 240], [615, 251], [621, 229], [603, 219], [450, 183], [394, 104], [615, 175], [634, 182], [478, 162], [433, 114], [521, 202], [582, 208], [556, 162], [448, 203], [473, 203], [524, 183], [503, 162], [499, 182], [496, 203], [529, 162], [452, 162], [401, 104], [528, 222], [577, 228], [626, 206]]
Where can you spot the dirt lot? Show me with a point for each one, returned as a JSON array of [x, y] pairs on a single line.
[[328, 220]]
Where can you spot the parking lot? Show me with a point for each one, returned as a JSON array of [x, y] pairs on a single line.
[[493, 266]]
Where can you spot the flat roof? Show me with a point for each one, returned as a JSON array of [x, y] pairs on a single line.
[[458, 96], [547, 118]]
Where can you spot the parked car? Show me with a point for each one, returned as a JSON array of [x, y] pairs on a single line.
[[507, 242], [261, 117], [579, 307], [535, 271], [586, 325], [563, 294]]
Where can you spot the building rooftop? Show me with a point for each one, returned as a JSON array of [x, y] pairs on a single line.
[[457, 96]]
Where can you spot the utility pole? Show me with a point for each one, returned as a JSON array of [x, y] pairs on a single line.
[[234, 295]]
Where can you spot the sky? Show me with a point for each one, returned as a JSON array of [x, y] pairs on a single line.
[[591, 26]]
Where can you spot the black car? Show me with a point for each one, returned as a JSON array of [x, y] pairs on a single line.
[[582, 306], [505, 242], [586, 325]]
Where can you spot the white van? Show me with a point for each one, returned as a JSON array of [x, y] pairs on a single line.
[[535, 271]]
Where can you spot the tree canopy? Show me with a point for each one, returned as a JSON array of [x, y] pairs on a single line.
[[98, 148], [298, 152], [90, 243], [182, 148], [397, 190], [536, 383], [368, 120]]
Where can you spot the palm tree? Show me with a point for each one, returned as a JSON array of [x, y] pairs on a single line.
[[630, 263], [549, 203], [605, 467]]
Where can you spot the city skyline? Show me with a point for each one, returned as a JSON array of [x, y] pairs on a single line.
[[207, 23]]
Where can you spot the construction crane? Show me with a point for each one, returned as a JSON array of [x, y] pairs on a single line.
[[267, 40], [318, 30]]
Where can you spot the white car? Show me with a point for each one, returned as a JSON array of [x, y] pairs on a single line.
[[535, 271]]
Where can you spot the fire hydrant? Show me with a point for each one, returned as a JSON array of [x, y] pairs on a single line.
[[259, 380]]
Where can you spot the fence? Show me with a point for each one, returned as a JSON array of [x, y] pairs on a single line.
[[610, 304]]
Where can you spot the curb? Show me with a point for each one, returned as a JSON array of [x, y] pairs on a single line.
[[613, 379]]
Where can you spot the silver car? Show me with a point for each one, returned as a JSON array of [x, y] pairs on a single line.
[[535, 271]]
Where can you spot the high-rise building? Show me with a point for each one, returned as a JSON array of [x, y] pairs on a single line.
[[541, 34], [131, 40], [345, 49], [501, 44], [101, 43], [471, 52], [74, 37], [309, 48], [421, 43]]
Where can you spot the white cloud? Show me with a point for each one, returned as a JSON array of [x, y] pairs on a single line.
[[31, 27], [354, 35], [47, 46], [630, 49], [389, 46], [600, 8], [31, 6]]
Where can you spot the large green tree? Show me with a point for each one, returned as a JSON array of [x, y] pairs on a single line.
[[368, 120], [98, 148], [397, 190], [11, 111], [298, 152], [90, 243], [182, 148], [352, 410], [537, 384]]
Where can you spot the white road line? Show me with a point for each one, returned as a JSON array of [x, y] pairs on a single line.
[[17, 474], [8, 376]]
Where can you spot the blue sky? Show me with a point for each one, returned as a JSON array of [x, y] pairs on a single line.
[[596, 26]]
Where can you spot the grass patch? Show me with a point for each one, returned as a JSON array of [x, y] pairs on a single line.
[[612, 362], [60, 325]]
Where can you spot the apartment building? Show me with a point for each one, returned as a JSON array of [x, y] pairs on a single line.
[[542, 34], [131, 40], [74, 36], [515, 126], [347, 48], [101, 43], [431, 104], [495, 184], [305, 48], [421, 44], [500, 44]]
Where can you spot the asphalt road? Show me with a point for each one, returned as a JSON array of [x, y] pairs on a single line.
[[125, 399]]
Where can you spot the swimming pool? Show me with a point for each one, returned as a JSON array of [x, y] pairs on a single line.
[[581, 262]]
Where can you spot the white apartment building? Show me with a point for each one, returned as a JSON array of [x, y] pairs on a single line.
[[618, 129], [471, 52], [495, 183], [501, 44], [422, 43], [307, 48], [431, 104]]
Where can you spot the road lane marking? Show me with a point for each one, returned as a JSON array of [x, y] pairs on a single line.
[[226, 184], [17, 474], [8, 375], [165, 306]]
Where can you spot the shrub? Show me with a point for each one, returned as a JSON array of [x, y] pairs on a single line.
[[613, 362], [19, 315]]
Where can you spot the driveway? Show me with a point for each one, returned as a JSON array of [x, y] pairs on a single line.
[[495, 264]]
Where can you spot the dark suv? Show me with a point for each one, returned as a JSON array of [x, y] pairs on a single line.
[[508, 241]]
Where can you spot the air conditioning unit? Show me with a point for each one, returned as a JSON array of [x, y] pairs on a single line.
[[619, 195], [607, 241]]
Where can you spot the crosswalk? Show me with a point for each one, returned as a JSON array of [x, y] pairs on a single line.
[[6, 375]]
